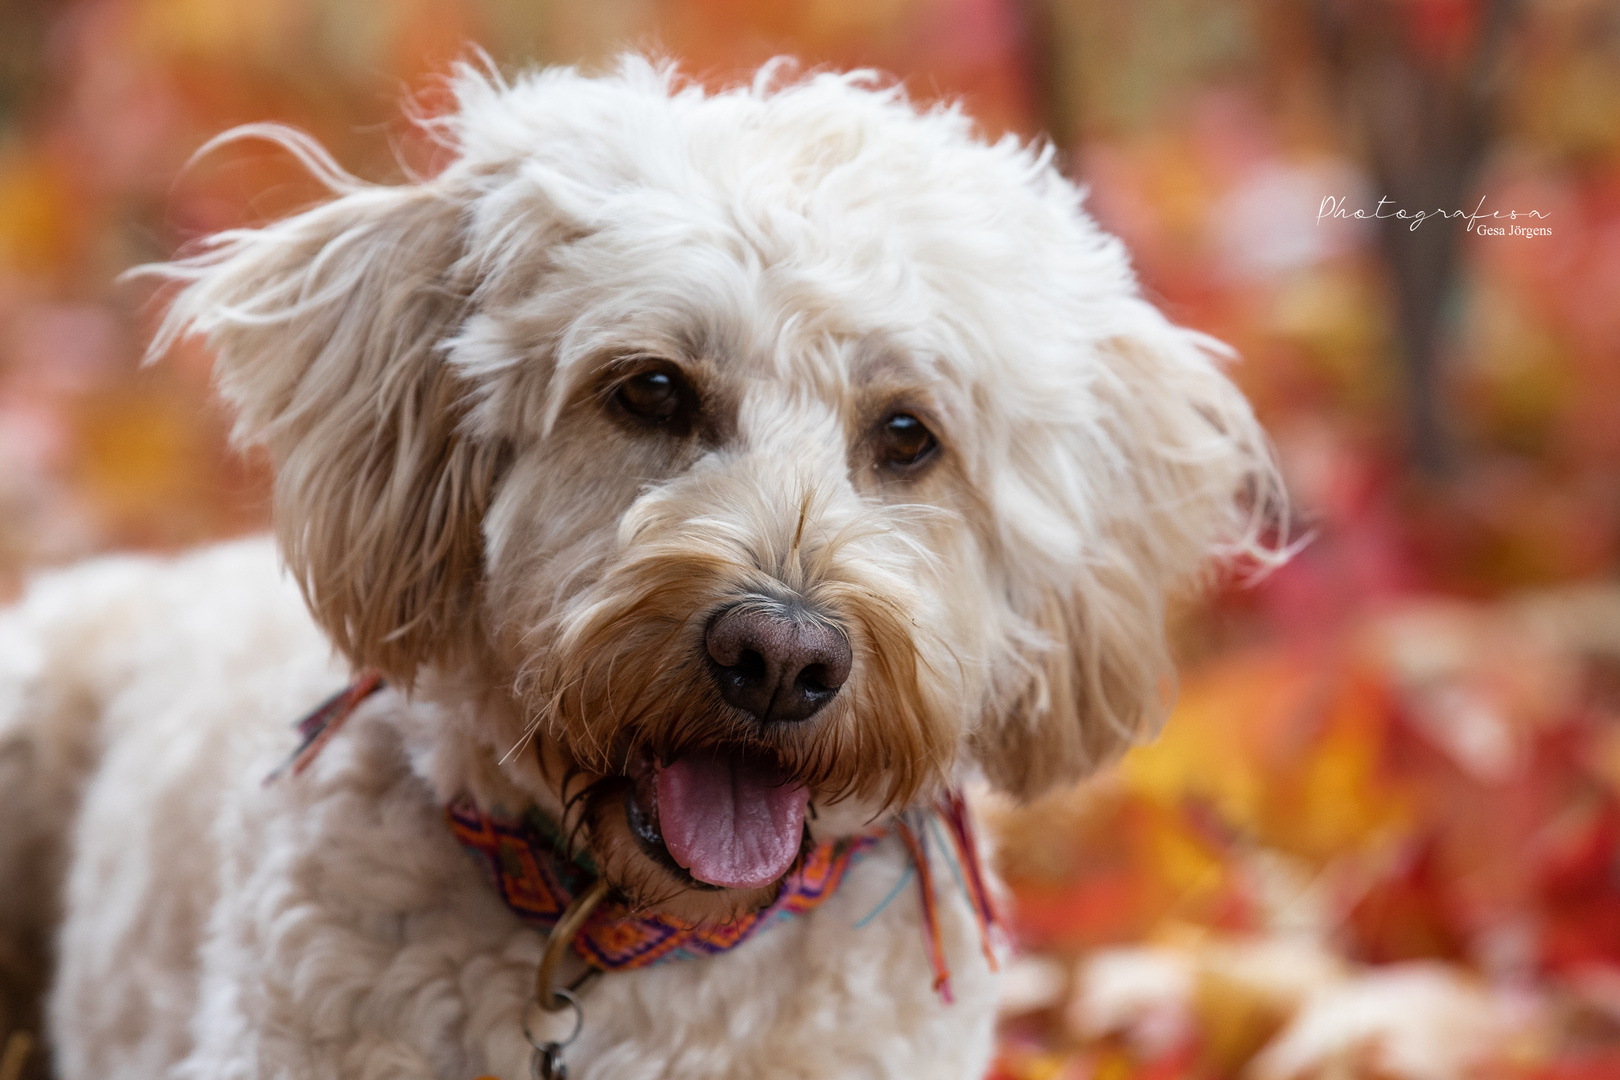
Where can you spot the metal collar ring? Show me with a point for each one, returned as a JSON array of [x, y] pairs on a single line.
[[544, 1045]]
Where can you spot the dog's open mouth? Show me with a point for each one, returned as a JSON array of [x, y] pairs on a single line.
[[726, 820]]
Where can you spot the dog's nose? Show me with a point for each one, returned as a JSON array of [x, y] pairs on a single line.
[[777, 668]]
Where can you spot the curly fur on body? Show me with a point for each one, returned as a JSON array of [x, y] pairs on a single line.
[[462, 500]]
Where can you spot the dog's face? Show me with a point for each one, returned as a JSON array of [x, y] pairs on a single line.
[[769, 452]]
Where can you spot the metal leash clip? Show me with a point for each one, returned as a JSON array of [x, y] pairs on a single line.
[[547, 1062]]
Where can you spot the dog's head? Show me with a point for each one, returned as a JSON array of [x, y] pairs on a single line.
[[783, 447]]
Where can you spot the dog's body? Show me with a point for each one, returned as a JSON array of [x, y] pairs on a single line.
[[716, 474], [331, 926]]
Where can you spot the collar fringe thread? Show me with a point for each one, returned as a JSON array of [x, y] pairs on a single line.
[[316, 729], [526, 863]]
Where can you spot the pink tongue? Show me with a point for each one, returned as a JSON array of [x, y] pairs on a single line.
[[729, 822]]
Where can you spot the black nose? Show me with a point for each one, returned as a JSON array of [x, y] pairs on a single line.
[[774, 666]]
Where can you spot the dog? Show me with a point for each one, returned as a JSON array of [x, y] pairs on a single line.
[[694, 489]]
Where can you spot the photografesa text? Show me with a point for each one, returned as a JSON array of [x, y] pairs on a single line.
[[1484, 223]]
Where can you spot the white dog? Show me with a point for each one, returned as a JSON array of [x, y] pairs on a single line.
[[716, 481]]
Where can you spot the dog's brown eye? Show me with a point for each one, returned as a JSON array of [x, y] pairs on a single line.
[[657, 397], [904, 442]]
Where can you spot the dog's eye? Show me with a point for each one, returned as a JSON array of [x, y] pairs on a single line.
[[904, 442], [656, 397]]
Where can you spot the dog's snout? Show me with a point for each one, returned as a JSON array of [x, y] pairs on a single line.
[[777, 668]]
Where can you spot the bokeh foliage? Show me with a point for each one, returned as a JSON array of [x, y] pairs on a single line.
[[1399, 750]]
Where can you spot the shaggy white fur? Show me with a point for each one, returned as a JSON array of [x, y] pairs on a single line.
[[640, 357]]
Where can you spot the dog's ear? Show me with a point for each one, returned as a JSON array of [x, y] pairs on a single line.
[[327, 328], [1176, 474]]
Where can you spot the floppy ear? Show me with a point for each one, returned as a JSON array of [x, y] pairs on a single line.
[[327, 327], [1178, 473]]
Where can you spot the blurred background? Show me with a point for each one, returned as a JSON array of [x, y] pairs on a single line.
[[1381, 834]]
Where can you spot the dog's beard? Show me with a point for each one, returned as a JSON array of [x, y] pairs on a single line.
[[691, 805]]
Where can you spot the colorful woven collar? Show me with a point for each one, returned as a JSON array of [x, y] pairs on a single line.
[[526, 864], [528, 868]]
